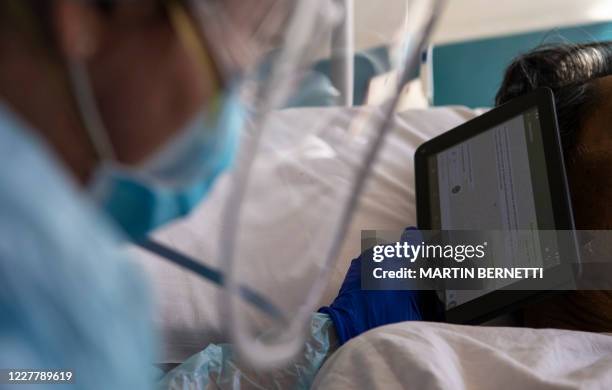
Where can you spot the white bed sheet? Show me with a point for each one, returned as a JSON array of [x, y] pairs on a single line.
[[420, 355], [187, 315]]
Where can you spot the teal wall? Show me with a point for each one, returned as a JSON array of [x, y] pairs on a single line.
[[469, 73]]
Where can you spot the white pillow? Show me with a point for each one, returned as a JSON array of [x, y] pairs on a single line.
[[187, 314]]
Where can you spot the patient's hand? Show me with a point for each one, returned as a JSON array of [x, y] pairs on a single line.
[[355, 311]]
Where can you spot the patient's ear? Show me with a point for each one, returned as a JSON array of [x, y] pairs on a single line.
[[78, 28]]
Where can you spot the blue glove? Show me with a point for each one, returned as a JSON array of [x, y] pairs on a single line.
[[355, 311]]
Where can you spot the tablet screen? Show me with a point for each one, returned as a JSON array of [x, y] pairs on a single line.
[[496, 180]]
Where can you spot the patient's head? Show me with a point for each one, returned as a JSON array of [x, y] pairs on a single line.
[[581, 79]]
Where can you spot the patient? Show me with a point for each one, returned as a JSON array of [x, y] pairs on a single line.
[[581, 79]]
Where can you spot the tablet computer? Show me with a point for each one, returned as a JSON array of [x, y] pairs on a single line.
[[501, 171]]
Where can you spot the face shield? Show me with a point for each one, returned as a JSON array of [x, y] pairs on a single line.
[[281, 234], [275, 253]]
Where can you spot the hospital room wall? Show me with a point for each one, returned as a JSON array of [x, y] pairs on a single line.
[[377, 21]]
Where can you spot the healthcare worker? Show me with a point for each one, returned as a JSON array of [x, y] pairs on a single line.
[[116, 117], [113, 109]]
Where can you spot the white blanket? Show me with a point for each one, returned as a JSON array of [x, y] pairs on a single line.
[[186, 304], [418, 355]]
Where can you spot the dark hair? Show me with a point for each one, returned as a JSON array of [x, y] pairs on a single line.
[[570, 70]]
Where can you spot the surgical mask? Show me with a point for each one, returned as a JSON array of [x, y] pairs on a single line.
[[172, 182]]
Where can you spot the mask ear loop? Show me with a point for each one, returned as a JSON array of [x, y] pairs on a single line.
[[184, 27], [88, 110]]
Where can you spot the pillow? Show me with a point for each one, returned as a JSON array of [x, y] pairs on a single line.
[[186, 304]]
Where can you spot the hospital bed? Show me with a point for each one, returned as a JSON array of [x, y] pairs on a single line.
[[186, 304]]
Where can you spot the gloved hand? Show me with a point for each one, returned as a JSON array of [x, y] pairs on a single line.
[[355, 311]]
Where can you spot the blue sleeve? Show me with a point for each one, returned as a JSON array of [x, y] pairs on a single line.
[[69, 296]]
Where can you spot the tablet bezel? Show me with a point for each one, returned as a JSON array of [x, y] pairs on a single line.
[[498, 302]]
